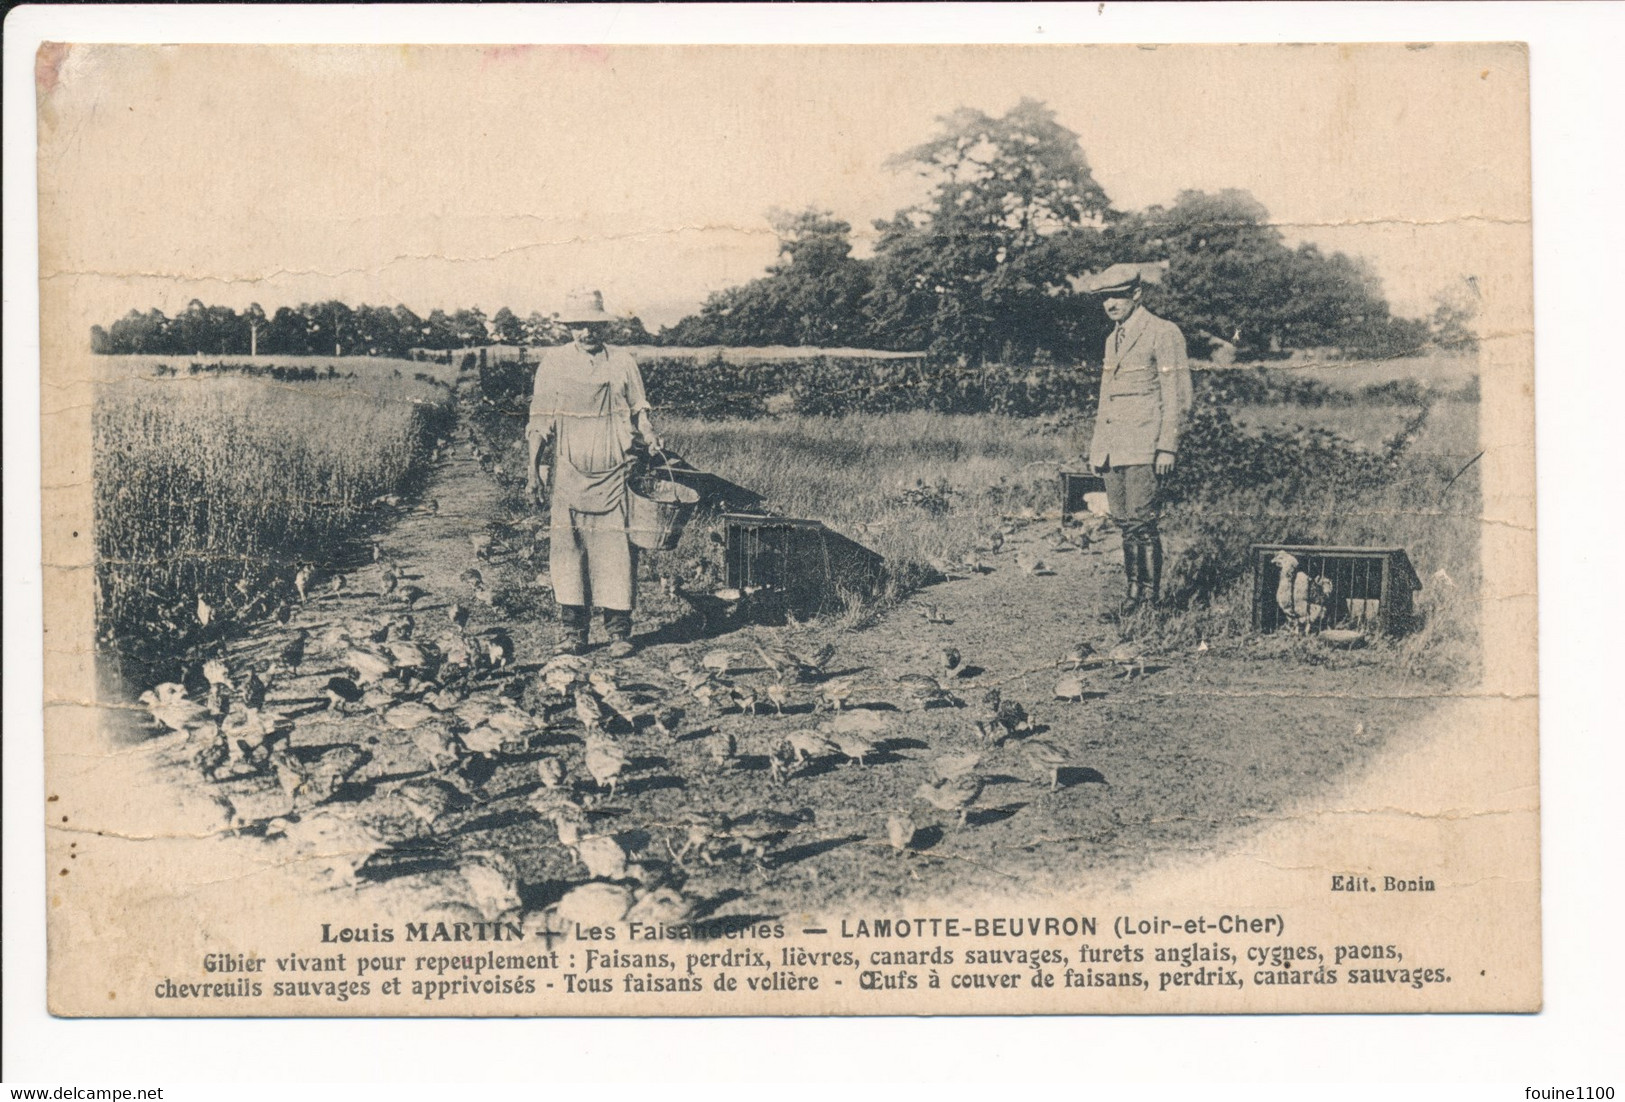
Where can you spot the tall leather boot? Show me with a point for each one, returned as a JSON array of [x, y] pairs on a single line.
[[1132, 554], [573, 624], [1154, 575]]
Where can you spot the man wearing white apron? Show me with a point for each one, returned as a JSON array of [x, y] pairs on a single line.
[[588, 400]]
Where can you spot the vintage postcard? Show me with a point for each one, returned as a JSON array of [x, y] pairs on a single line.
[[860, 530]]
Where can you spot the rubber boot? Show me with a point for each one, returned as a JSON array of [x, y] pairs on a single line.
[[573, 625], [618, 623]]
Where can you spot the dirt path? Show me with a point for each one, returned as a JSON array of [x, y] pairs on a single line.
[[1189, 758]]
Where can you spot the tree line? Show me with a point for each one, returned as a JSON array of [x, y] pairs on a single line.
[[330, 329], [984, 270]]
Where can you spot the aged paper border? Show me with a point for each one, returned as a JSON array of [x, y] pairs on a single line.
[[17, 474]]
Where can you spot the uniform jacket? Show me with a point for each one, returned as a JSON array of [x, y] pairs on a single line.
[[1145, 392]]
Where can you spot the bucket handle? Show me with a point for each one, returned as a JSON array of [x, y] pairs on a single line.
[[666, 466]]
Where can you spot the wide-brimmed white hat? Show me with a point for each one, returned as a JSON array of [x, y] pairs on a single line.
[[585, 304]]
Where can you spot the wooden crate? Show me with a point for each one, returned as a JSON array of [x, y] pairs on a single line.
[[1362, 588], [1074, 484], [795, 566]]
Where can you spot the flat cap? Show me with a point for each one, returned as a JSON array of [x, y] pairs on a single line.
[[1120, 278]]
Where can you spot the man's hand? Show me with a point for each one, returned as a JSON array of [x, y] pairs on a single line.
[[1165, 463], [536, 484]]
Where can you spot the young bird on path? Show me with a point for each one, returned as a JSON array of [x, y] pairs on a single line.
[[920, 690], [997, 719], [292, 653], [342, 694], [853, 745], [836, 693], [606, 761], [551, 771], [955, 794], [254, 690], [759, 831], [1047, 758], [589, 711], [949, 766], [603, 856], [723, 748], [167, 704], [899, 832], [810, 744], [430, 799], [699, 836], [492, 882]]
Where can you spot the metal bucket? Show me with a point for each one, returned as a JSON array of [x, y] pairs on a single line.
[[655, 518]]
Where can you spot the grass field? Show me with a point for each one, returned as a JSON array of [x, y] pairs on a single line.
[[216, 485], [924, 487]]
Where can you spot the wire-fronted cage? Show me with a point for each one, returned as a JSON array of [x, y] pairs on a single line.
[[796, 566], [1306, 588]]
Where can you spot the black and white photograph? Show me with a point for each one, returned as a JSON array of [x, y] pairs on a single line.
[[740, 530]]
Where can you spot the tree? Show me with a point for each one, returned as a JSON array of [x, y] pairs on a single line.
[[255, 317], [506, 328], [439, 331], [379, 332], [1451, 324], [331, 325], [193, 330], [817, 289], [412, 330], [137, 333], [813, 295], [1227, 273], [285, 334], [1232, 278], [468, 325], [543, 330], [628, 331], [978, 270]]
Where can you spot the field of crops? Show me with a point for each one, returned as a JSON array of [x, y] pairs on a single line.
[[213, 485]]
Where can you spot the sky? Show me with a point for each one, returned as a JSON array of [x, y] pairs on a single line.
[[505, 176]]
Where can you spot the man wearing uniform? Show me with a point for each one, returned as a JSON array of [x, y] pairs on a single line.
[[1145, 396], [588, 401]]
